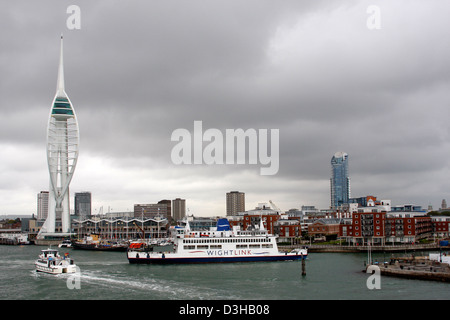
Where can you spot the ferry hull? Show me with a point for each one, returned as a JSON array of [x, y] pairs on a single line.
[[185, 260]]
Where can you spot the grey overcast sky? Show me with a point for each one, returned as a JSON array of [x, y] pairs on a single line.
[[138, 70]]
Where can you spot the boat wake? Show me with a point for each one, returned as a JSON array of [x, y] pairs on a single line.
[[151, 288]]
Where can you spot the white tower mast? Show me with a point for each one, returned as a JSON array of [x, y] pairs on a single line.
[[62, 155]]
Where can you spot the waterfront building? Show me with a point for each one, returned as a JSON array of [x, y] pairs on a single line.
[[178, 209], [83, 204], [340, 181], [380, 227], [367, 204], [62, 156], [235, 202], [369, 227], [200, 223], [367, 201], [252, 218], [407, 227], [42, 205], [441, 226], [287, 229], [123, 228], [409, 208], [163, 208], [323, 228]]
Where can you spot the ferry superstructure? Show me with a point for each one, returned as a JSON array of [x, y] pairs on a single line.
[[220, 244]]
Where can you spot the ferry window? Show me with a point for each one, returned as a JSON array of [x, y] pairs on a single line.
[[254, 246], [241, 246], [215, 246], [267, 245], [202, 246], [188, 247]]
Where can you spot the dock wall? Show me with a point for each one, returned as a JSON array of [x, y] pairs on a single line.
[[348, 249], [414, 274]]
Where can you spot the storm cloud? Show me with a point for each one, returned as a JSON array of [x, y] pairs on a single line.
[[138, 70]]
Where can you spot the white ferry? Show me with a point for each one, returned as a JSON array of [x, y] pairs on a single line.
[[220, 244], [51, 262]]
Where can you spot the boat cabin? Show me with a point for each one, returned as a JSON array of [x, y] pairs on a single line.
[[49, 253]]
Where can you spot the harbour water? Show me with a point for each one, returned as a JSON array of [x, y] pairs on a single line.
[[109, 276]]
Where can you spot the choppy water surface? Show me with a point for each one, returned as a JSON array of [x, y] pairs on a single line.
[[108, 275]]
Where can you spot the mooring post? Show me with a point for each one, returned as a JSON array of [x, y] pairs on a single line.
[[303, 266]]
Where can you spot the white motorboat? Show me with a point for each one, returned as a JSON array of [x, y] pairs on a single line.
[[50, 261], [65, 244]]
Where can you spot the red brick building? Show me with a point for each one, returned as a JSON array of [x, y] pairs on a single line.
[[254, 220], [325, 227], [287, 229], [441, 226], [380, 228], [368, 226], [284, 228], [407, 227]]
